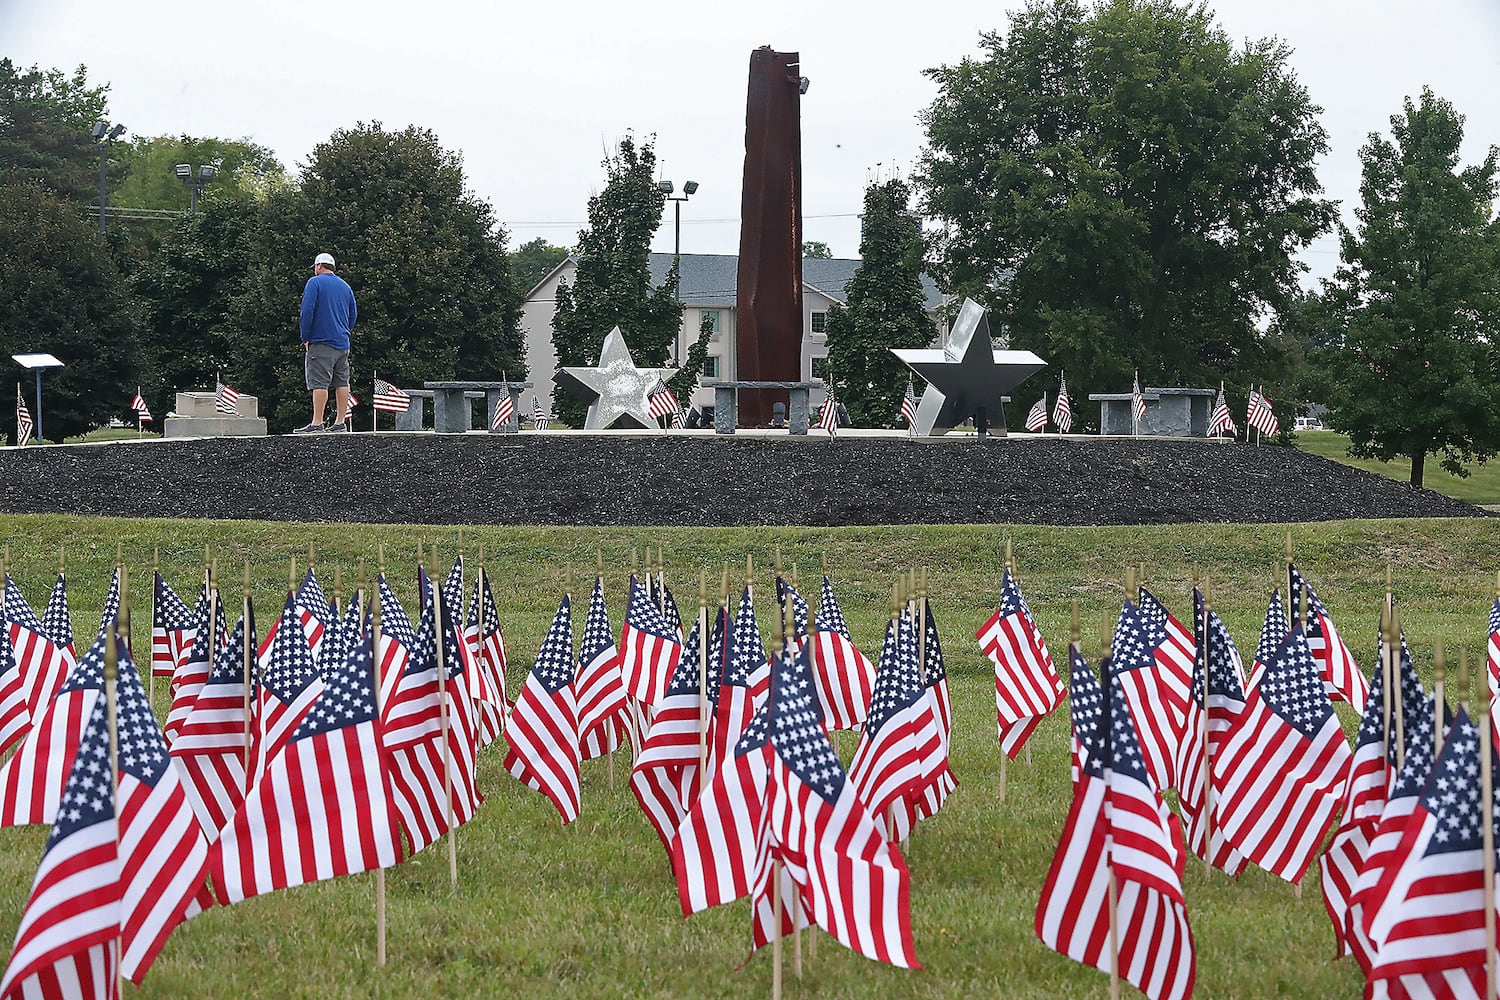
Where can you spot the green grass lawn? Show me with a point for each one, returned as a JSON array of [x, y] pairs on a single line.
[[591, 910], [111, 434], [1481, 487]]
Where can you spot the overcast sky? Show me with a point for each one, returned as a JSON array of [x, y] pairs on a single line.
[[533, 93]]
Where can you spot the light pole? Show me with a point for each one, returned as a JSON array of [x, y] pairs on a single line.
[[689, 188], [104, 136], [195, 182]]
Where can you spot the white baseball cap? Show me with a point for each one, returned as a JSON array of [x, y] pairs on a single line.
[[323, 258]]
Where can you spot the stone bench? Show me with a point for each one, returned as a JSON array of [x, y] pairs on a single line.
[[726, 403], [452, 412]]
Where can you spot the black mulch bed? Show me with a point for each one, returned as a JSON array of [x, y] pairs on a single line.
[[563, 478]]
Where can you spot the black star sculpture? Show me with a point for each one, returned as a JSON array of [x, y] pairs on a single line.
[[967, 377]]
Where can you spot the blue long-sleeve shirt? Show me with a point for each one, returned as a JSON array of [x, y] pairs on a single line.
[[328, 311]]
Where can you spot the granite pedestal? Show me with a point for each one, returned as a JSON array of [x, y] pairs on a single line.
[[194, 416]]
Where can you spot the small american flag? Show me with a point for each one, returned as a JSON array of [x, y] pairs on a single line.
[[539, 420], [505, 410], [43, 655], [1137, 403], [1214, 708], [1062, 409], [665, 777], [193, 672], [32, 780], [209, 750], [389, 398], [1085, 704], [1272, 631], [1026, 681], [15, 719], [1432, 919], [543, 730], [602, 709], [1288, 758], [785, 593], [172, 632], [482, 632], [432, 781], [314, 614], [142, 413], [828, 417], [1036, 419], [1118, 827], [226, 400], [323, 808], [24, 426], [649, 648], [65, 943], [1341, 675], [909, 407], [664, 402], [900, 751], [289, 686], [1371, 886], [1260, 415], [1220, 422], [784, 794], [1371, 776], [1156, 707], [1494, 654], [844, 676]]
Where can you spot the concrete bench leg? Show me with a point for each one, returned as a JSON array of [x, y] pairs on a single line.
[[796, 417], [451, 413], [412, 419], [726, 413]]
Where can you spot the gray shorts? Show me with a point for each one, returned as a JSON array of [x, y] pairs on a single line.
[[327, 367]]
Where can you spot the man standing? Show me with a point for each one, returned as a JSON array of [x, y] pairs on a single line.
[[328, 314]]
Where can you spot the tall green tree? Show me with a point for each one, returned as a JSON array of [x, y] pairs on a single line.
[[1125, 188], [425, 257], [817, 249], [534, 260], [46, 123], [612, 285], [885, 308], [244, 170], [1415, 361], [60, 292]]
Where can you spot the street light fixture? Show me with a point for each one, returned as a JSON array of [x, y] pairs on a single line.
[[195, 183], [104, 136], [689, 188]]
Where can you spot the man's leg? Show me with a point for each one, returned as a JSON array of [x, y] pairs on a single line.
[[343, 402], [320, 401]]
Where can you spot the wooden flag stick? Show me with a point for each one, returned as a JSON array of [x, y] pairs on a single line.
[[1487, 829], [702, 677], [291, 577], [111, 674], [1438, 670], [1114, 933], [245, 666], [1463, 679], [1302, 617], [379, 711], [150, 659], [1208, 768], [1397, 702], [1388, 693], [776, 934], [609, 732], [437, 621]]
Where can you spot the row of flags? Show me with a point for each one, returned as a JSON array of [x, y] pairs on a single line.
[[1263, 772], [345, 740], [1062, 410]]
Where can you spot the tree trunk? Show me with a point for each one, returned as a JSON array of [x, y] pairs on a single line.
[[1418, 459]]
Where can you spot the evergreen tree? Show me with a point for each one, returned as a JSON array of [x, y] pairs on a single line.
[[425, 257], [886, 308], [612, 284], [61, 292], [1414, 361]]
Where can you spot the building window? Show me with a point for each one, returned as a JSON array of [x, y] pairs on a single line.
[[712, 318], [820, 322], [711, 367], [820, 367]]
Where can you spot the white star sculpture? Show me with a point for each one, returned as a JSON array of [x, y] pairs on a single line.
[[615, 389]]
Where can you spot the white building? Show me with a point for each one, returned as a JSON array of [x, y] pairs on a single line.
[[707, 287]]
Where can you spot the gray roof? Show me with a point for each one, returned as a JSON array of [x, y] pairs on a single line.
[[711, 279]]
